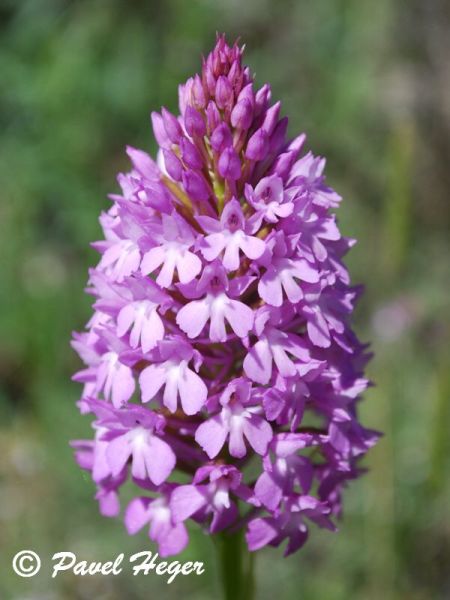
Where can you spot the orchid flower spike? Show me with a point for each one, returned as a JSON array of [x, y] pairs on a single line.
[[221, 326]]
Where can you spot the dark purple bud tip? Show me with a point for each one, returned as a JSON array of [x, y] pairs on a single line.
[[172, 164], [271, 118], [229, 164], [224, 92], [195, 185], [198, 93], [159, 130], [258, 145], [171, 126], [221, 137], [191, 156], [242, 114], [262, 99], [212, 116], [194, 123]]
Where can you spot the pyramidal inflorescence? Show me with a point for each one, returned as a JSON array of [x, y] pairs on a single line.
[[221, 370]]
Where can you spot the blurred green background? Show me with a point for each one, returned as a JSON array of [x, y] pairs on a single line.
[[370, 84]]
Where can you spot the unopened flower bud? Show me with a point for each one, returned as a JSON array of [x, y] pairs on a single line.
[[198, 93], [191, 156], [171, 126], [257, 146], [230, 164], [262, 98], [195, 185], [271, 118], [173, 165], [242, 114], [224, 92], [194, 122], [221, 137], [212, 116]]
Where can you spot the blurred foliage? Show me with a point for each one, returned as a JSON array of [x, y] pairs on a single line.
[[369, 82]]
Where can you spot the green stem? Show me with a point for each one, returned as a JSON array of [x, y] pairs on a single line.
[[236, 566]]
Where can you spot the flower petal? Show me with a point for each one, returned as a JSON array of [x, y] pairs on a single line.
[[258, 363], [188, 266], [151, 380], [258, 432], [193, 317], [185, 501], [193, 392], [239, 316], [136, 515], [211, 435]]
